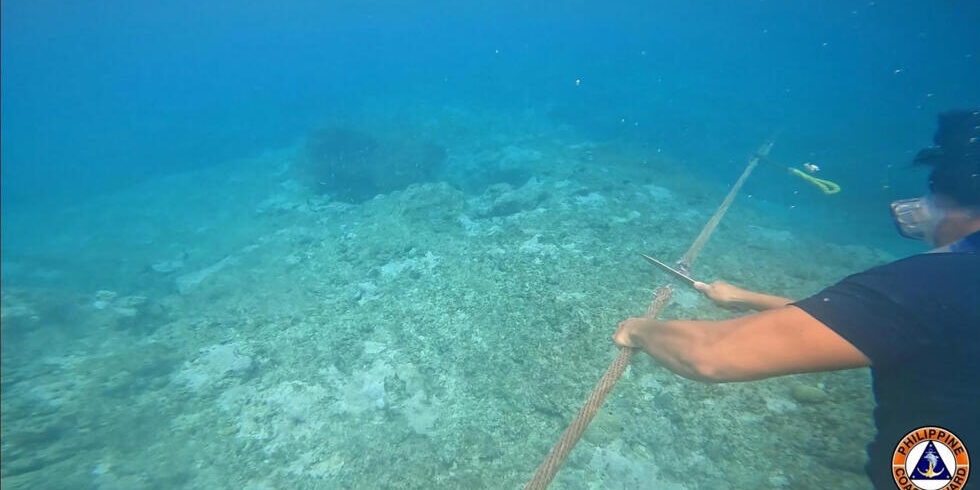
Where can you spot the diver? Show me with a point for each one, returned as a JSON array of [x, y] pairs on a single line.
[[915, 322]]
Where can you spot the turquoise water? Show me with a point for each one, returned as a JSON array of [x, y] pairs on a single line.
[[384, 245]]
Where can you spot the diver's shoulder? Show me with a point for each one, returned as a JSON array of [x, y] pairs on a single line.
[[967, 261], [922, 271]]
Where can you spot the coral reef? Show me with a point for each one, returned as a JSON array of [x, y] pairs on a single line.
[[424, 337]]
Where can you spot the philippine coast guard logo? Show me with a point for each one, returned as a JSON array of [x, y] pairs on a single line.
[[930, 458]]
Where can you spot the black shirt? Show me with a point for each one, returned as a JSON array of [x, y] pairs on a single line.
[[918, 321]]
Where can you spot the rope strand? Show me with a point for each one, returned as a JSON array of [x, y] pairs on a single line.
[[553, 462]]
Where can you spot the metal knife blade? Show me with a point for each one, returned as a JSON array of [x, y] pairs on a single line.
[[669, 269]]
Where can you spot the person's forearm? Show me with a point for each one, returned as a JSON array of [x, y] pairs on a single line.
[[675, 345], [761, 301], [679, 345]]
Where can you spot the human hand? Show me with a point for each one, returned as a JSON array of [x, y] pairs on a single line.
[[721, 292], [631, 332]]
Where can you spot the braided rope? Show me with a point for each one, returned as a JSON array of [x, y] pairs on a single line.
[[709, 227], [556, 458], [553, 462]]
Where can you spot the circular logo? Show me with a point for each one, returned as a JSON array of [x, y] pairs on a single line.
[[930, 458]]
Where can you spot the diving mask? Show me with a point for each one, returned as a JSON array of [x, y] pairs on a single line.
[[916, 218]]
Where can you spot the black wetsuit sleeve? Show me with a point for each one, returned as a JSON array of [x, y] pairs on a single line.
[[893, 313], [871, 311], [868, 320]]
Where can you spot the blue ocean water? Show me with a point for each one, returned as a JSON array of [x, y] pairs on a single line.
[[381, 244]]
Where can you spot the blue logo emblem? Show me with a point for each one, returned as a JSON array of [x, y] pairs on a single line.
[[930, 466]]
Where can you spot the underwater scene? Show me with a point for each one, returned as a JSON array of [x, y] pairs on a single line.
[[386, 244]]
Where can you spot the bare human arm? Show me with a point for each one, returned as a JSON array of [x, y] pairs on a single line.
[[729, 295], [770, 343]]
